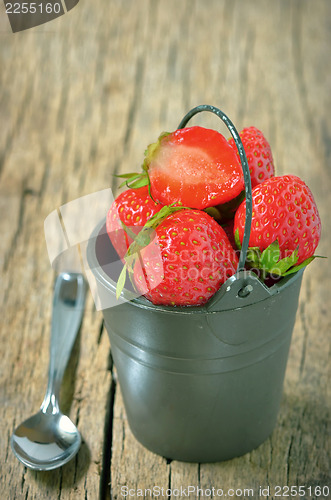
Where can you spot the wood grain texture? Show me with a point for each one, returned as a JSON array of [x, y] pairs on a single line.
[[80, 99]]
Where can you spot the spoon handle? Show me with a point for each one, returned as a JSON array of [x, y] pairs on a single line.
[[68, 308]]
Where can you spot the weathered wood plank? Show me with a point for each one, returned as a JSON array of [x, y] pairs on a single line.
[[133, 466], [81, 97], [264, 75]]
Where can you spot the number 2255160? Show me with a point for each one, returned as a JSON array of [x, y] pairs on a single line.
[[33, 8], [293, 491]]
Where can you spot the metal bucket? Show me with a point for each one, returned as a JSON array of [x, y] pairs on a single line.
[[200, 384]]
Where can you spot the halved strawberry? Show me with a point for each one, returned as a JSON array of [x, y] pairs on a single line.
[[286, 225], [258, 153], [195, 167], [129, 212], [187, 262]]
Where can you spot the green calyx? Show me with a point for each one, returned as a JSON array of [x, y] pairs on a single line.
[[136, 180], [140, 241], [152, 151], [269, 262]]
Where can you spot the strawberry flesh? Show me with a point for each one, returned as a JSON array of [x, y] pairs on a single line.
[[194, 166]]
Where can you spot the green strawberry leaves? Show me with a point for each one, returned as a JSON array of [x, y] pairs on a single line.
[[120, 282], [134, 180], [280, 267], [270, 256], [157, 218], [269, 261], [237, 239], [303, 264]]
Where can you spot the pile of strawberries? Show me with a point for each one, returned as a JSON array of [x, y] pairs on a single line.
[[179, 226]]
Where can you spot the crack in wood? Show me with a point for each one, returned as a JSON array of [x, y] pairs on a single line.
[[66, 146], [110, 364], [8, 441], [186, 66], [15, 130], [105, 475], [101, 330], [288, 460], [78, 413], [169, 482], [269, 440], [60, 122], [23, 479], [172, 61], [139, 78], [60, 484], [228, 21], [85, 489], [123, 437], [132, 112], [152, 13], [19, 228], [243, 77], [44, 179], [199, 478], [298, 67], [302, 312]]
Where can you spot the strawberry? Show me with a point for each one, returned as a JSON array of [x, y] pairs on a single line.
[[132, 208], [190, 260], [286, 226], [258, 153], [195, 167]]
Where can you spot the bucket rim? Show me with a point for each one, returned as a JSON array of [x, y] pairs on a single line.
[[142, 302]]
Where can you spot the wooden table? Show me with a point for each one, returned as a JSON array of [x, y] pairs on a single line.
[[81, 97]]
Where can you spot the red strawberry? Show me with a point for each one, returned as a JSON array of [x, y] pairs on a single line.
[[193, 166], [285, 225], [258, 153], [191, 259], [133, 208]]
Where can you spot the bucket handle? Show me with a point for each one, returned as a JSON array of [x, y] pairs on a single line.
[[244, 166]]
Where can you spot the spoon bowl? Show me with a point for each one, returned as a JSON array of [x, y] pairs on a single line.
[[49, 439], [45, 441]]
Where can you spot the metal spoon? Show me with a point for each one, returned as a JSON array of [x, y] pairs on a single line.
[[49, 439]]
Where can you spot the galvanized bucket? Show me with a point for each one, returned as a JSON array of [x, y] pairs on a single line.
[[200, 384]]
